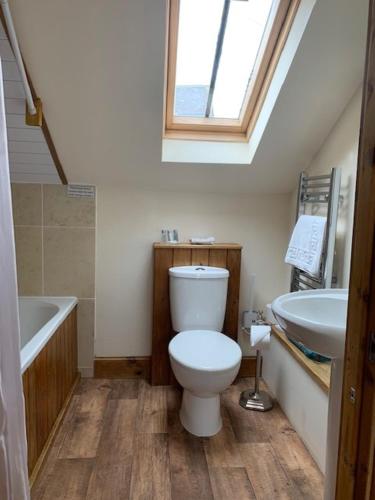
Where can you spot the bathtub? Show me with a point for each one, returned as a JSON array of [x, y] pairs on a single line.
[[39, 319], [48, 327]]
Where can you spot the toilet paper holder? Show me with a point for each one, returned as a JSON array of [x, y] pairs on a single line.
[[255, 399]]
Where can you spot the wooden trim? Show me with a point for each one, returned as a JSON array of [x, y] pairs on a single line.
[[248, 367], [172, 33], [208, 124], [283, 36], [355, 474], [234, 130], [37, 119], [53, 433], [130, 367], [193, 135], [233, 264], [319, 372], [44, 126], [166, 63], [52, 149], [162, 330], [269, 45], [217, 246]]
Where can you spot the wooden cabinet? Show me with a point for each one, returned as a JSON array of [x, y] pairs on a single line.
[[227, 255]]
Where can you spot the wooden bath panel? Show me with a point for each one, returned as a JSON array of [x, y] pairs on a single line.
[[227, 255], [47, 384]]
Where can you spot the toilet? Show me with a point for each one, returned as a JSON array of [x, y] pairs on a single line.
[[204, 360]]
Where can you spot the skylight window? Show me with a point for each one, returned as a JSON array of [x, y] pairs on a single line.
[[221, 54]]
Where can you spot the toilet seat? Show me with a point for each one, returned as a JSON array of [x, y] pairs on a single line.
[[205, 350]]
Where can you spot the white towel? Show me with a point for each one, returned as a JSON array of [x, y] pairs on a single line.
[[210, 240], [306, 244]]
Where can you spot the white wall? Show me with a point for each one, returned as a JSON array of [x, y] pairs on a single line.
[[340, 149], [129, 221], [303, 401]]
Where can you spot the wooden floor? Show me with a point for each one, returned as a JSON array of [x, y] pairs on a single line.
[[122, 439]]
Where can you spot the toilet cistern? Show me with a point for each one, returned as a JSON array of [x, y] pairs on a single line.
[[198, 296]]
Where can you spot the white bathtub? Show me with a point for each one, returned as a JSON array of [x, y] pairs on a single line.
[[39, 319]]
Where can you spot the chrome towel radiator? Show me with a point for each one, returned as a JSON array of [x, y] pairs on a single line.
[[313, 192]]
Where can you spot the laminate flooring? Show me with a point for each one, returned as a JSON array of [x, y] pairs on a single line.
[[122, 439]]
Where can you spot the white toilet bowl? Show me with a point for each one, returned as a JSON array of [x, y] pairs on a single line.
[[205, 363]]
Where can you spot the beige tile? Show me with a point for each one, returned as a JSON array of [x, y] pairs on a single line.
[[86, 325], [29, 260], [69, 261], [27, 204], [61, 210]]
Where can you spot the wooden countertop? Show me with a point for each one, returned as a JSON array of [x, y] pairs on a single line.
[[320, 372], [221, 246]]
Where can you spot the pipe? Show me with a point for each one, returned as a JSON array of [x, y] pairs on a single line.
[[17, 54]]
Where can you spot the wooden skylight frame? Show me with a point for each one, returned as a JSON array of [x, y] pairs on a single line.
[[237, 130]]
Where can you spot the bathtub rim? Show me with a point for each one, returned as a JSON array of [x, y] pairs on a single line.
[[32, 348]]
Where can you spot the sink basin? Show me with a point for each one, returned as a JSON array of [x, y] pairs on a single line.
[[317, 318]]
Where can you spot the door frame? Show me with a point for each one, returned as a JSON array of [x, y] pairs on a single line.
[[355, 473]]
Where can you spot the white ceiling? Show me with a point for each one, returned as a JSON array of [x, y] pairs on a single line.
[[99, 69], [29, 156]]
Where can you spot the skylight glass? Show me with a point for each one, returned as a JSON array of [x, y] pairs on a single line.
[[217, 46]]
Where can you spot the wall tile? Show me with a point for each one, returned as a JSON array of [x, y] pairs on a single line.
[[69, 261], [86, 325], [27, 204], [61, 210], [63, 253], [29, 260]]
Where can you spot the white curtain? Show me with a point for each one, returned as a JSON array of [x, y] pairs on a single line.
[[13, 461]]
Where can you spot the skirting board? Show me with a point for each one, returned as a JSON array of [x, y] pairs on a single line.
[[139, 367], [134, 367], [86, 371]]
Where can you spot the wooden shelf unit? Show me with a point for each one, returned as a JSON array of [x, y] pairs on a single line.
[[217, 246], [227, 255]]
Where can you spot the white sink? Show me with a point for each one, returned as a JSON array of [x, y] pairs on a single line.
[[317, 318]]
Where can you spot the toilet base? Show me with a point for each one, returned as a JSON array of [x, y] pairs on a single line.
[[200, 415]]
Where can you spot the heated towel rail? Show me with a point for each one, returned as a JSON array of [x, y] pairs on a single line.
[[313, 193]]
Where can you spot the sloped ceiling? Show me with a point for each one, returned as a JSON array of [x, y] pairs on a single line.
[[99, 68]]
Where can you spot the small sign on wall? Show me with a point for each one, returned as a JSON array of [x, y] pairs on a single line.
[[81, 191]]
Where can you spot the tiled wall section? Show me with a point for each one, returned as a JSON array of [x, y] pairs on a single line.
[[55, 247]]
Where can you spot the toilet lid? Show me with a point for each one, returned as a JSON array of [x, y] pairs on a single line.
[[205, 350]]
